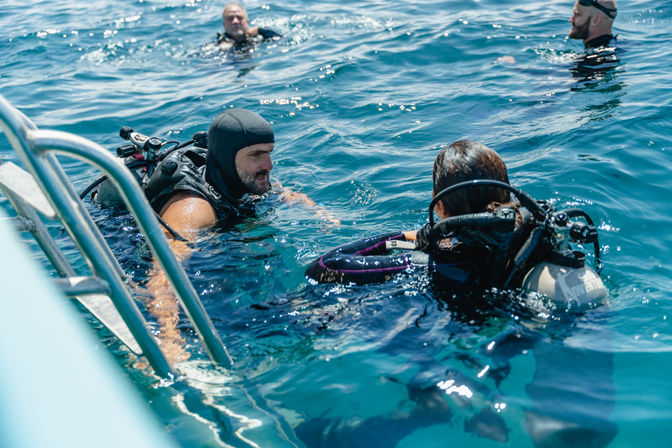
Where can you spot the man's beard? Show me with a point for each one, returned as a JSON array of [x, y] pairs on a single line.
[[251, 186], [581, 32], [239, 34]]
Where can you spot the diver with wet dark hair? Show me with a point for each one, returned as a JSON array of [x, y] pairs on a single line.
[[461, 259], [489, 237], [482, 239], [237, 32]]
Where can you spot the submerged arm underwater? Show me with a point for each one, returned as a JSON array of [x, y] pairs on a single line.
[[292, 197], [187, 215]]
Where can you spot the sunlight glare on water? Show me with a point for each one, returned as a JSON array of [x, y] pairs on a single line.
[[361, 95]]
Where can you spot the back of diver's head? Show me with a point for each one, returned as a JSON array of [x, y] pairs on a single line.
[[611, 4], [231, 131], [467, 160]]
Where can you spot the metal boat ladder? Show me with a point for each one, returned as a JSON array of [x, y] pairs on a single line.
[[44, 189]]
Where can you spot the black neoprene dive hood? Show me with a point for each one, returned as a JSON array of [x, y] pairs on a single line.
[[231, 131]]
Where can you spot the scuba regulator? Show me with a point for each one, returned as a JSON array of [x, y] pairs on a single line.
[[527, 245], [140, 155], [143, 148]]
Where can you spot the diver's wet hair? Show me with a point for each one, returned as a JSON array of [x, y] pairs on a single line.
[[468, 160], [231, 131]]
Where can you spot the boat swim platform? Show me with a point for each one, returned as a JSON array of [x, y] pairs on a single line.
[[52, 372], [40, 192]]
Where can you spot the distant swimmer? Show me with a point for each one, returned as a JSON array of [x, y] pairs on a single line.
[[592, 21], [237, 32]]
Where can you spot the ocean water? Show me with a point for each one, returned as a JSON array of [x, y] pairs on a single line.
[[361, 95]]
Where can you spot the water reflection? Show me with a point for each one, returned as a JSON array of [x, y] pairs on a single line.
[[598, 71], [439, 365], [239, 57]]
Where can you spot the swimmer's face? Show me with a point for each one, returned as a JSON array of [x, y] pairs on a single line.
[[235, 21], [254, 165], [580, 21]]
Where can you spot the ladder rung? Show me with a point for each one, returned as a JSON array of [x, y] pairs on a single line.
[[101, 306], [77, 286], [93, 294], [22, 184]]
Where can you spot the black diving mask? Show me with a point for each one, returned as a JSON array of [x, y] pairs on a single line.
[[608, 11]]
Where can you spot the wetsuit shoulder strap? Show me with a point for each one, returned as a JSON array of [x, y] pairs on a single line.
[[268, 34], [223, 37], [181, 170]]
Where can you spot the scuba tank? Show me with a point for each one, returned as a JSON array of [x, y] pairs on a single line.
[[565, 278], [527, 245], [578, 287]]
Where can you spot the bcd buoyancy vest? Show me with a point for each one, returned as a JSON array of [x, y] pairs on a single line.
[[183, 170], [265, 34], [525, 244]]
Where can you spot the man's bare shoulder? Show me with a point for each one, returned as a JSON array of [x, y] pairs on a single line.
[[187, 211]]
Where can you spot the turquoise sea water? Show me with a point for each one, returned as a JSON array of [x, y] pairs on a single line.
[[361, 96]]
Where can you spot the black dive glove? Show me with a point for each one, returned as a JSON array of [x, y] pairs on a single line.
[[423, 238]]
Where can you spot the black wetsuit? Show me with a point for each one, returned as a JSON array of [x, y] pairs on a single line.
[[472, 258], [183, 170], [265, 34], [601, 41], [599, 59]]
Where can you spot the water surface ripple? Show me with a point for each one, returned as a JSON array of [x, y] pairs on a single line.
[[361, 96]]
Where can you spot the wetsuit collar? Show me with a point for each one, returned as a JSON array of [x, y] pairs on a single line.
[[221, 188], [600, 41], [227, 37]]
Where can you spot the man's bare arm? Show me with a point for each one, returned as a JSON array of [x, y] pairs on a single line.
[[293, 197], [186, 214]]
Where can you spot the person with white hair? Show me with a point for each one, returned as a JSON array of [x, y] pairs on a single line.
[[237, 31]]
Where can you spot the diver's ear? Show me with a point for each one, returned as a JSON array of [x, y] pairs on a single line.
[[440, 210], [597, 19]]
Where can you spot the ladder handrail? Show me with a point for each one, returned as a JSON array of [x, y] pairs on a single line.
[[83, 235], [84, 149], [36, 149], [23, 122]]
